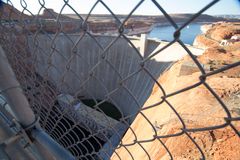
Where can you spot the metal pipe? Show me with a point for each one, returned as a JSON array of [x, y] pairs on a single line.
[[58, 151], [10, 89], [3, 153], [12, 150]]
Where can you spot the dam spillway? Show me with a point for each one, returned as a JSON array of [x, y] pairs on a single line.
[[79, 69], [87, 71]]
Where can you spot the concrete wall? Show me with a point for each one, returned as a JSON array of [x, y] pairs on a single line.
[[68, 63]]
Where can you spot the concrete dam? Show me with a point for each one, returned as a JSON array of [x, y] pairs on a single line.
[[93, 87], [85, 70]]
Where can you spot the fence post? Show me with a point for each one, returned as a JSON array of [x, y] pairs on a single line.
[[12, 92]]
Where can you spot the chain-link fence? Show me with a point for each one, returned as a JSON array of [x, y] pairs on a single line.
[[97, 91]]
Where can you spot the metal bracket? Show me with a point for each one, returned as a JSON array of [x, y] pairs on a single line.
[[22, 132]]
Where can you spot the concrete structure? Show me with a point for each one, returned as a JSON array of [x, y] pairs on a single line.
[[188, 68], [94, 119], [204, 28], [68, 64]]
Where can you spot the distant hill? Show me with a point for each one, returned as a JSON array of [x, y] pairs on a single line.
[[98, 23], [229, 16], [8, 12], [51, 14], [157, 18]]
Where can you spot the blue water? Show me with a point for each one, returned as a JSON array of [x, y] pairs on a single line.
[[188, 34]]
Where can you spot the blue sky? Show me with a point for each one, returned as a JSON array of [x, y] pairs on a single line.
[[146, 8]]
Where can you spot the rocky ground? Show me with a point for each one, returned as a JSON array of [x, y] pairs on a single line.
[[197, 107]]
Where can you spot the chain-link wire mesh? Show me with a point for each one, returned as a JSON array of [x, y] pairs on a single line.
[[89, 89]]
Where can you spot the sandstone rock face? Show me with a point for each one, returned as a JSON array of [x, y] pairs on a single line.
[[216, 33], [203, 42], [197, 107], [8, 12], [223, 31]]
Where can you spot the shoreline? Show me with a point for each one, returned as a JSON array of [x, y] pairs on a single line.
[[149, 29]]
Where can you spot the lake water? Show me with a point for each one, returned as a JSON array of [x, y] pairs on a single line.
[[188, 34]]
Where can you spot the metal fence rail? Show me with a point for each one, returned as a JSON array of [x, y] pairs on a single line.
[[87, 89]]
